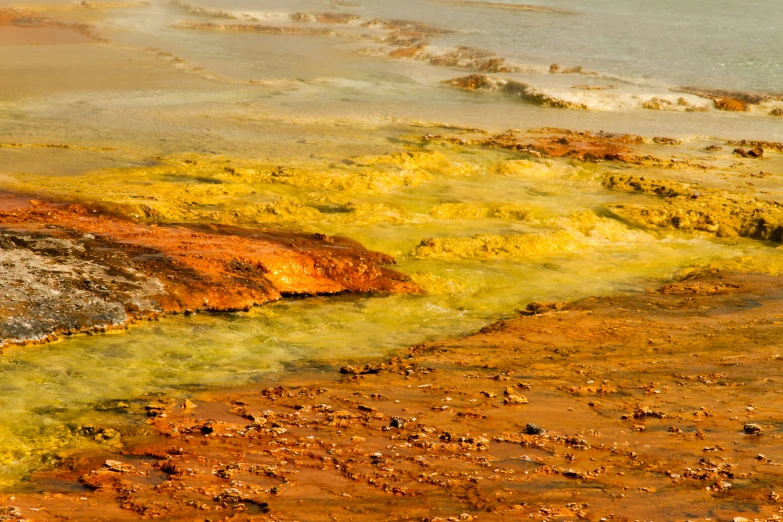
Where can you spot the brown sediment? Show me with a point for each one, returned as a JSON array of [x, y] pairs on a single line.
[[689, 208], [25, 19], [471, 82], [521, 90], [731, 105], [53, 146], [183, 66], [558, 143], [594, 87], [463, 57], [578, 69], [663, 104], [402, 33], [744, 97], [411, 41], [401, 29], [406, 39], [777, 111], [510, 7], [406, 26], [408, 52], [532, 94], [69, 269], [255, 28], [772, 145], [201, 11], [662, 140], [661, 405], [733, 101], [326, 18]]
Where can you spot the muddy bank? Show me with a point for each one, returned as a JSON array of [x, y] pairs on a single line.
[[70, 269], [661, 404]]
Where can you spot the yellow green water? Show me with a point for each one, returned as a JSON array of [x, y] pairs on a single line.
[[482, 231]]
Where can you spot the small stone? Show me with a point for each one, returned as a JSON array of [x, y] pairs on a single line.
[[515, 399], [752, 429], [117, 466], [532, 429], [397, 422], [155, 409]]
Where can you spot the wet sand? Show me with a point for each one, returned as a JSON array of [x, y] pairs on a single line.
[[661, 404]]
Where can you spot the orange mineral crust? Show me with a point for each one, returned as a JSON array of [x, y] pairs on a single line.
[[20, 26], [69, 269], [659, 405]]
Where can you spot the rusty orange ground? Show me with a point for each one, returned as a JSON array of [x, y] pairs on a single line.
[[662, 405]]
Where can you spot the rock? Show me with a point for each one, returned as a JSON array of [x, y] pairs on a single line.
[[730, 104], [515, 399], [99, 479], [118, 467], [229, 495], [537, 308], [746, 97], [757, 152], [155, 409], [397, 422], [777, 111], [495, 65], [361, 370], [111, 271], [532, 429], [554, 68], [100, 434], [713, 148], [470, 82], [662, 140], [752, 429], [646, 411]]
